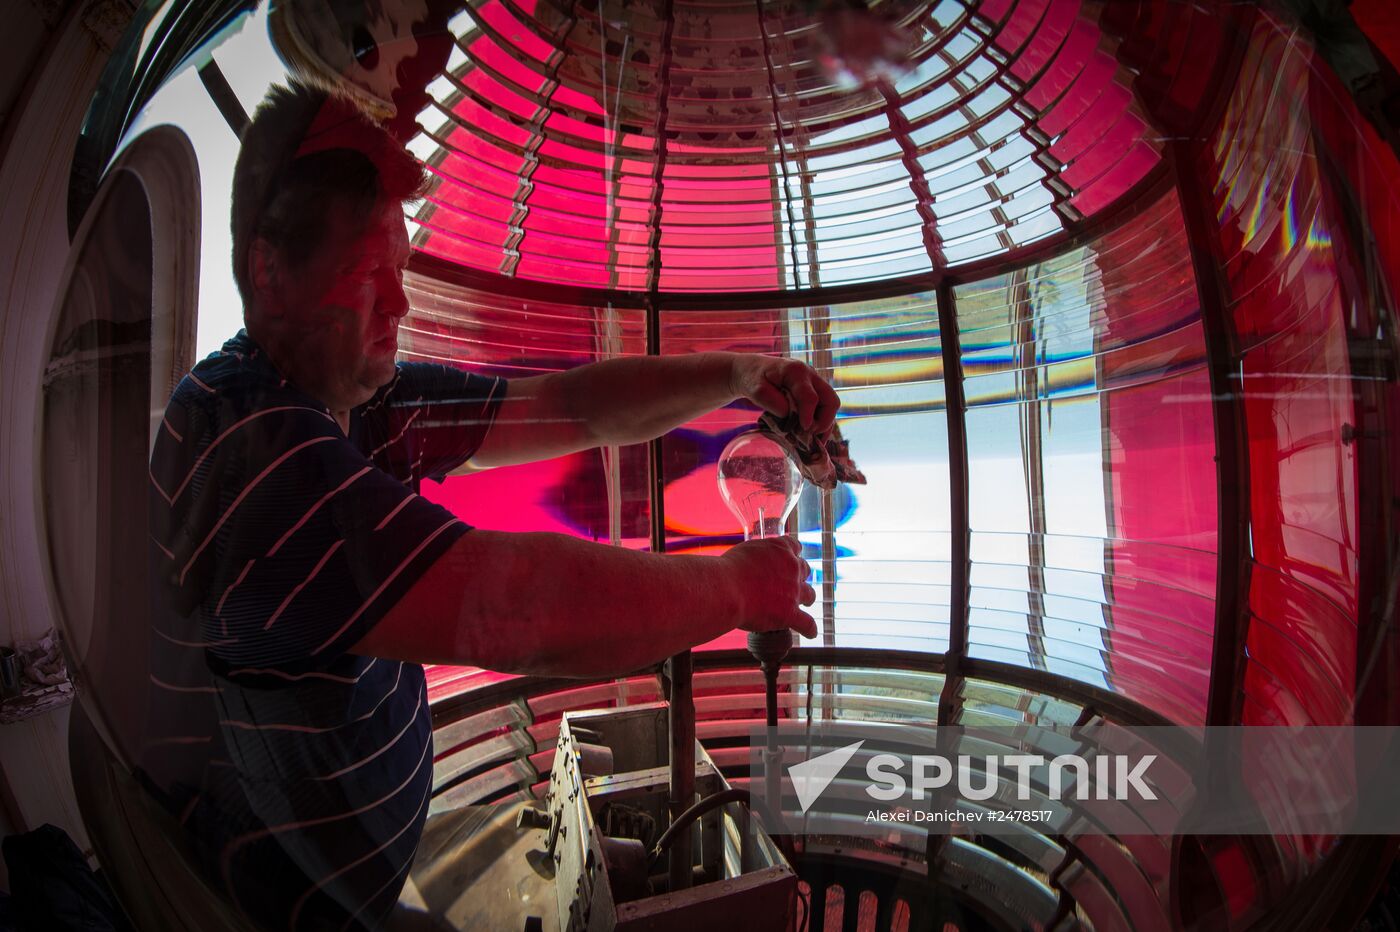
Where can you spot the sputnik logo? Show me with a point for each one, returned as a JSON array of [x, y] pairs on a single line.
[[811, 777]]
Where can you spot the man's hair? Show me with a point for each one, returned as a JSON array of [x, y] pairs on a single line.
[[304, 151]]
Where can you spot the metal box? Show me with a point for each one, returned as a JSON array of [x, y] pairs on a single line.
[[611, 774]]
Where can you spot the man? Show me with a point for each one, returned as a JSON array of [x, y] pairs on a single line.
[[302, 580]]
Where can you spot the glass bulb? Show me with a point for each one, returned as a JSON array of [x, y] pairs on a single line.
[[759, 482]]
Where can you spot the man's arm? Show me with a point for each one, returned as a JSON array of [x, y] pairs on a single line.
[[549, 604], [632, 400]]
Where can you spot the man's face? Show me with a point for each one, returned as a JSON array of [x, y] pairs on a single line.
[[339, 311]]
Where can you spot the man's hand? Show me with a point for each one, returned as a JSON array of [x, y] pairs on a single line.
[[776, 384], [772, 583]]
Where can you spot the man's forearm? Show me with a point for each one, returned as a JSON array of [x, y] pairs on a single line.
[[544, 603], [631, 400], [634, 399]]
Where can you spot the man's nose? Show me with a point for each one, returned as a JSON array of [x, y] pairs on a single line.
[[393, 301]]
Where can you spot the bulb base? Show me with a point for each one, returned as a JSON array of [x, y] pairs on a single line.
[[770, 647]]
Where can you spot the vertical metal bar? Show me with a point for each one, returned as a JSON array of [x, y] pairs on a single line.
[[778, 139], [679, 668], [658, 169], [816, 907], [611, 159], [1064, 899], [1110, 524], [884, 907], [520, 208], [818, 319], [221, 93], [850, 909], [909, 155], [1225, 697], [823, 360], [681, 709], [682, 734], [765, 645], [819, 328], [950, 699], [1373, 355], [955, 406], [1033, 459], [611, 454], [1225, 692]]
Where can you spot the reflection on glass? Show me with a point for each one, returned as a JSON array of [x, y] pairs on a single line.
[[1078, 370], [1299, 307]]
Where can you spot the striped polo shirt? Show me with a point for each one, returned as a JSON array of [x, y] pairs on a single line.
[[301, 771]]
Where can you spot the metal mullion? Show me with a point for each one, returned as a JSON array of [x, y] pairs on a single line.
[[818, 322], [1059, 191], [778, 138], [1032, 456], [950, 700], [658, 173], [1109, 555], [985, 164], [610, 151], [823, 360], [949, 710], [679, 668], [510, 259], [1225, 695], [918, 184], [780, 262]]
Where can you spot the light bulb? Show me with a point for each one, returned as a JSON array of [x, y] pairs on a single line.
[[759, 482]]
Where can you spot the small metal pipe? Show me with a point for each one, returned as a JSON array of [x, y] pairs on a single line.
[[769, 648], [772, 754], [682, 793], [770, 693]]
